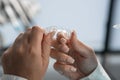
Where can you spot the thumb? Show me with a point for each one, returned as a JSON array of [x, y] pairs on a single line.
[[46, 45], [74, 40], [77, 45]]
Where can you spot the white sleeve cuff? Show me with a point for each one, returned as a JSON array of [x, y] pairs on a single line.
[[12, 77], [98, 74]]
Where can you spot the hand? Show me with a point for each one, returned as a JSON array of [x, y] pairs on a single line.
[[75, 60], [28, 57]]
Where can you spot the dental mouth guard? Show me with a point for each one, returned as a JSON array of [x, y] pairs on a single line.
[[58, 30]]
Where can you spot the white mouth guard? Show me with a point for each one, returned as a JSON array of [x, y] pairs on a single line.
[[57, 30]]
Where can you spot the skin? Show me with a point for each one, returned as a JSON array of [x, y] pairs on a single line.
[[28, 57], [74, 59]]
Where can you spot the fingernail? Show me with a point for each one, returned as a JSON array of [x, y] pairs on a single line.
[[62, 40], [66, 48], [73, 69], [70, 60]]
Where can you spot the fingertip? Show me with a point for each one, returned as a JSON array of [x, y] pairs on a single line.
[[35, 27], [73, 69], [74, 35], [64, 68], [70, 60], [73, 39], [63, 41], [61, 35], [49, 37], [38, 28], [36, 36]]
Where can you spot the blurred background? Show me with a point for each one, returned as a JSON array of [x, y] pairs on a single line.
[[93, 20]]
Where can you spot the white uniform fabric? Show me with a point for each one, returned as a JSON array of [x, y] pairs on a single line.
[[98, 74], [12, 77]]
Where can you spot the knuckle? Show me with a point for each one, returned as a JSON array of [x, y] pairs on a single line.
[[19, 37], [91, 49], [20, 49], [38, 29], [35, 27], [4, 58], [32, 50]]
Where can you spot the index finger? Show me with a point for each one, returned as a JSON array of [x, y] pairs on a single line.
[[62, 37], [36, 36]]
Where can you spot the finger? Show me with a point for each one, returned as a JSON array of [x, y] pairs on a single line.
[[26, 36], [63, 48], [63, 40], [23, 34], [21, 42], [46, 45], [62, 37], [67, 70], [73, 38], [61, 57], [64, 67], [60, 47], [77, 45], [36, 37], [55, 44], [18, 39]]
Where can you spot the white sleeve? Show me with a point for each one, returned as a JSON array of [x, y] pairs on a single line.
[[98, 74], [12, 77]]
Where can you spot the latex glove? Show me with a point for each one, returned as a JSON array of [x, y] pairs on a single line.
[[75, 60], [28, 57]]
